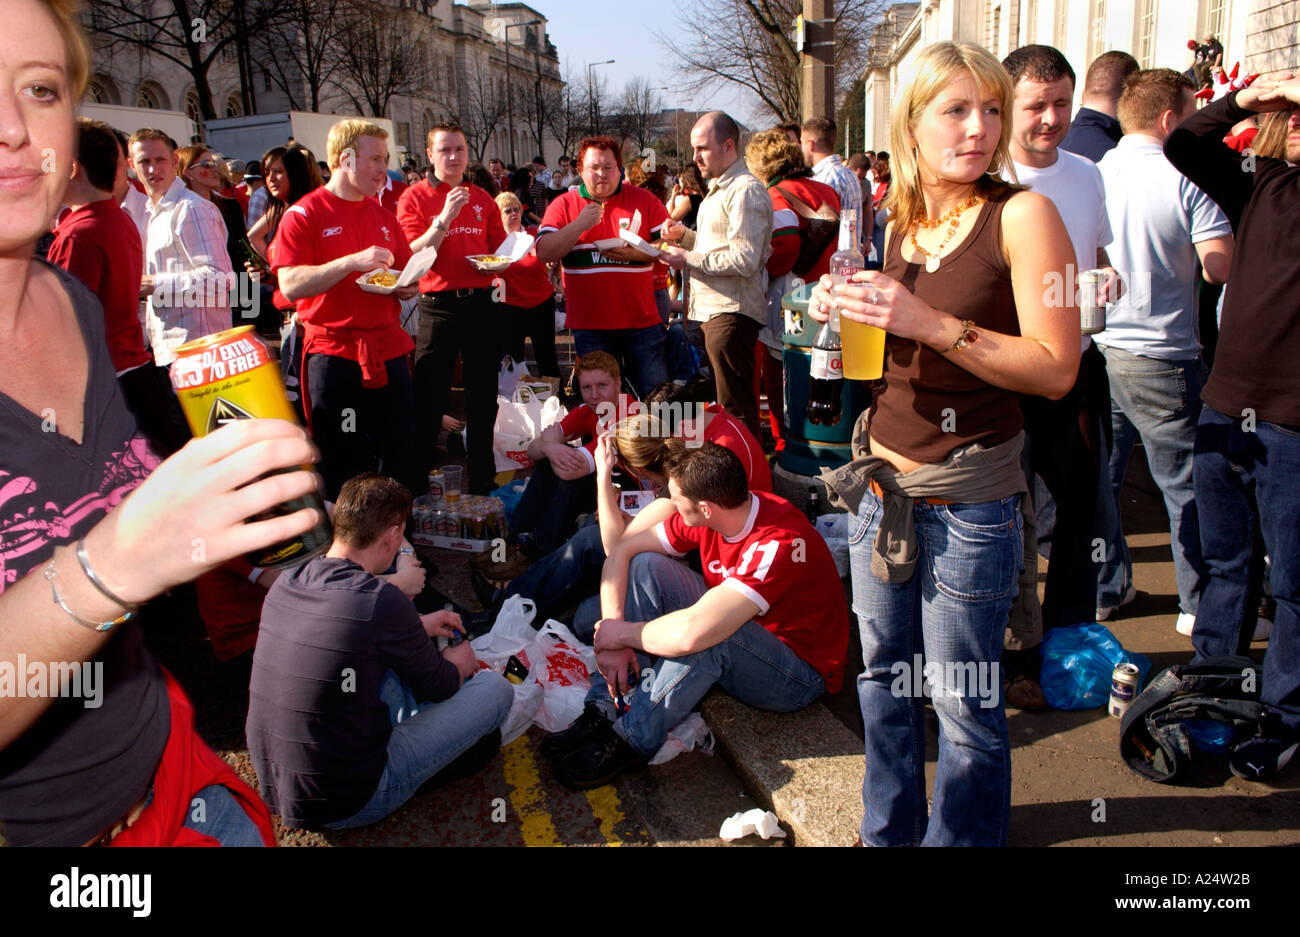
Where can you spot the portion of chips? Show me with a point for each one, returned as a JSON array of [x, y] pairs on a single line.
[[383, 278], [490, 259]]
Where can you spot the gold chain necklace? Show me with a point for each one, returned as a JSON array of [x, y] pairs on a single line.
[[953, 220]]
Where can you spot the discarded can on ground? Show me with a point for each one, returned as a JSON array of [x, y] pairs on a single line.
[[1123, 689]]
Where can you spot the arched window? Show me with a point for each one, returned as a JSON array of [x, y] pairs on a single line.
[[234, 107], [428, 123], [148, 97], [192, 109], [95, 94]]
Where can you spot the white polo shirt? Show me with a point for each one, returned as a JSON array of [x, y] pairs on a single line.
[[1076, 189], [1157, 214]]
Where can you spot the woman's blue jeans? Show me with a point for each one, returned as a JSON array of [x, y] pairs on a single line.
[[947, 622]]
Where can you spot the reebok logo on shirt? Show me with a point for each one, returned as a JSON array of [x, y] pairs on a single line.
[[330, 232]]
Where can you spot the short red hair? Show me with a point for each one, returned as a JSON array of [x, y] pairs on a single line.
[[600, 143]]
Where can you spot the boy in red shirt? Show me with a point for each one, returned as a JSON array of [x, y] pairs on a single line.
[[767, 622], [562, 485], [356, 382], [457, 311]]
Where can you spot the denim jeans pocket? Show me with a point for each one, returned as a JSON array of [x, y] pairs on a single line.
[[1161, 395], [972, 549], [862, 520]]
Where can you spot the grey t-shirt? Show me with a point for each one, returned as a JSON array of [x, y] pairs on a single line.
[[86, 761]]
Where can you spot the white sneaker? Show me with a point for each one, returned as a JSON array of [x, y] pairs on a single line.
[[1105, 611], [1186, 622]]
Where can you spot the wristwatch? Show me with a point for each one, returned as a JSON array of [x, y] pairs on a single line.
[[968, 335], [406, 551]]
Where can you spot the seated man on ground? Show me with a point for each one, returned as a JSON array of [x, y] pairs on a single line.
[[572, 572], [351, 706], [767, 622], [562, 484]]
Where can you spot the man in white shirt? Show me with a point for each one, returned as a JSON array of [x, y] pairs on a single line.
[[188, 279], [1162, 223], [1066, 442], [817, 138]]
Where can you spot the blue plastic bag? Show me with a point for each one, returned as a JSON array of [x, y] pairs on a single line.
[[510, 495], [1078, 661]]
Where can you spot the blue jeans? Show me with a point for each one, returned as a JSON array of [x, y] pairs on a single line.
[[429, 736], [1233, 466], [215, 812], [753, 665], [1160, 402], [953, 611], [640, 353], [562, 573]]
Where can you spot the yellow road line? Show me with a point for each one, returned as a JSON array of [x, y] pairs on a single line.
[[527, 796], [605, 808]]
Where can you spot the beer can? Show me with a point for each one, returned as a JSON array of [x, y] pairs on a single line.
[[231, 376], [435, 485], [1123, 689], [1092, 313]]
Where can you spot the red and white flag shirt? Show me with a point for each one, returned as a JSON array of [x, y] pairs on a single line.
[[782, 565]]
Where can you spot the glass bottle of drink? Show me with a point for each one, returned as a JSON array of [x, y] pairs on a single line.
[[825, 397], [864, 345]]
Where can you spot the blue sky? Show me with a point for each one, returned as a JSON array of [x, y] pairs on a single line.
[[594, 30]]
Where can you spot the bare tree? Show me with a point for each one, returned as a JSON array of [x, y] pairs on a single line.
[[300, 50], [191, 33], [566, 113], [535, 96], [383, 54], [483, 103], [748, 43], [639, 111]]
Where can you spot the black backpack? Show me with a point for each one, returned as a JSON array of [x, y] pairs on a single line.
[[1154, 739]]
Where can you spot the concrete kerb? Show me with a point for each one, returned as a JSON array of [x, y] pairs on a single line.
[[806, 767]]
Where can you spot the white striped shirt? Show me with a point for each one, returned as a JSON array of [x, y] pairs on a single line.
[[194, 284]]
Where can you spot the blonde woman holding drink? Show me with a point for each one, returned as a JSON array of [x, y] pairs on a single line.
[[936, 544]]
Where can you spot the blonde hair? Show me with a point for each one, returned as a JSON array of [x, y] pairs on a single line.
[[508, 200], [1271, 138], [642, 441], [74, 43], [937, 65], [771, 156], [343, 136]]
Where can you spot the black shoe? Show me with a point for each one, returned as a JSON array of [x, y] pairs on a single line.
[[604, 757], [559, 744], [488, 595]]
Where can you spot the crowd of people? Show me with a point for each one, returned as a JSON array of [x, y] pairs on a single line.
[[998, 429]]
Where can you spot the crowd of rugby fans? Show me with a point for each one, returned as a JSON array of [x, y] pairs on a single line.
[[649, 521]]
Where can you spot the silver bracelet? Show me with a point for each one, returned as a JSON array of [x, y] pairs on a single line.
[[92, 625], [99, 583]]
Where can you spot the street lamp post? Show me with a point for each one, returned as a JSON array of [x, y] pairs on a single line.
[[510, 105], [593, 106], [677, 137]]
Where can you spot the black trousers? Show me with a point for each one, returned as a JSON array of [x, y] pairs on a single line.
[[471, 326], [1063, 440], [151, 400], [362, 429], [537, 323]]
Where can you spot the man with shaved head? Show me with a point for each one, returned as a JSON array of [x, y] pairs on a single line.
[[725, 255], [1095, 129]]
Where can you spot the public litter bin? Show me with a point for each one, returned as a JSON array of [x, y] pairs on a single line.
[[810, 447]]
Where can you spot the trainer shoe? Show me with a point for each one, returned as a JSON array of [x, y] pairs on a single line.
[[1261, 757], [604, 756], [1186, 623], [1105, 611], [559, 744]]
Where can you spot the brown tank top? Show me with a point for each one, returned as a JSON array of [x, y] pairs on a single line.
[[928, 405]]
